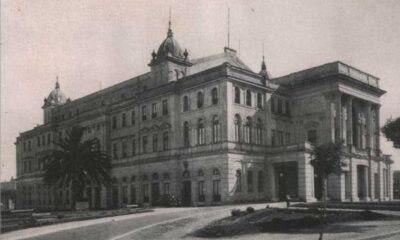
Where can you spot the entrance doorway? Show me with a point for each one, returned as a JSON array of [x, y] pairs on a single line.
[[155, 193], [187, 193], [361, 181], [286, 179], [97, 198], [115, 196]]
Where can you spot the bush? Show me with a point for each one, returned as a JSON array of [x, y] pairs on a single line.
[[250, 210], [235, 213], [169, 201]]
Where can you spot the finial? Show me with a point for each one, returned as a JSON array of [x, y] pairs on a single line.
[[154, 54], [170, 34], [185, 54], [57, 84]]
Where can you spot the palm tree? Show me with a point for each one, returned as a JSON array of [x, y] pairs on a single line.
[[327, 159], [76, 163]]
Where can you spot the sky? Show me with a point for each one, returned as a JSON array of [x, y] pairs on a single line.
[[95, 44]]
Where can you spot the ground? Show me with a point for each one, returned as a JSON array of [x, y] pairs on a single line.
[[179, 223]]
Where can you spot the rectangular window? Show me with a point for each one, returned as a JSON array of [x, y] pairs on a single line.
[[123, 120], [133, 194], [287, 107], [29, 166], [125, 195], [280, 138], [43, 140], [273, 109], [165, 140], [124, 150], [38, 141], [133, 147], [25, 170], [273, 138], [216, 190], [144, 144], [24, 146], [280, 104], [29, 145], [115, 151], [114, 122], [200, 191], [249, 181], [48, 138], [155, 142], [287, 138], [312, 136], [165, 107], [144, 113], [154, 110], [133, 118], [146, 193], [67, 196], [166, 188]]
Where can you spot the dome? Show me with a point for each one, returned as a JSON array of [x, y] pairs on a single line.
[[56, 96], [170, 48]]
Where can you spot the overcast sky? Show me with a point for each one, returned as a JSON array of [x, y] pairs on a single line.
[[96, 43]]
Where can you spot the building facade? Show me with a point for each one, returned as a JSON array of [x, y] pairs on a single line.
[[211, 131]]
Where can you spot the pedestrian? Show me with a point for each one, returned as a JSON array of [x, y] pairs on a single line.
[[287, 200]]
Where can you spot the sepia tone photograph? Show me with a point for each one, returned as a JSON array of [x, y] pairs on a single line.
[[231, 119]]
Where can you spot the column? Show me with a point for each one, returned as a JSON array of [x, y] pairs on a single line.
[[349, 121], [305, 174], [367, 183], [354, 180], [390, 181], [338, 122], [271, 181], [378, 142], [380, 183]]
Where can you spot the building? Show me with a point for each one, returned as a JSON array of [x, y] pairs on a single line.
[[211, 131], [8, 194], [396, 184]]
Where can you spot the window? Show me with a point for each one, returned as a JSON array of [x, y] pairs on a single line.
[[146, 193], [114, 122], [67, 196], [238, 180], [280, 104], [133, 194], [280, 138], [200, 100], [144, 144], [214, 96], [24, 146], [287, 106], [215, 172], [125, 195], [273, 107], [200, 173], [123, 124], [259, 132], [155, 142], [133, 147], [312, 136], [154, 110], [237, 95], [133, 118], [287, 138], [200, 191], [38, 141], [259, 100], [186, 139], [48, 138], [216, 129], [247, 130], [200, 132], [144, 113], [185, 103], [248, 98], [43, 140], [29, 145], [165, 107], [124, 149], [166, 188], [238, 123], [115, 151], [216, 190], [260, 182], [273, 138], [165, 140], [59, 136], [249, 181]]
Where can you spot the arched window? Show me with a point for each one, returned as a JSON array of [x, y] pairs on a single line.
[[259, 100], [248, 98], [259, 132], [145, 177], [186, 139], [185, 103], [247, 130], [237, 95], [200, 132], [238, 124], [154, 176], [260, 181], [214, 96], [216, 129], [200, 100]]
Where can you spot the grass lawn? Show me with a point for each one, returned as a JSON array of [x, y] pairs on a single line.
[[392, 206], [282, 220]]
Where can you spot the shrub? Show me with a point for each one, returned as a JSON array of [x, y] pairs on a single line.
[[235, 213], [250, 210]]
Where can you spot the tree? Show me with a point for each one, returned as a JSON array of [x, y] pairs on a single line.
[[327, 159], [75, 163], [391, 130]]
